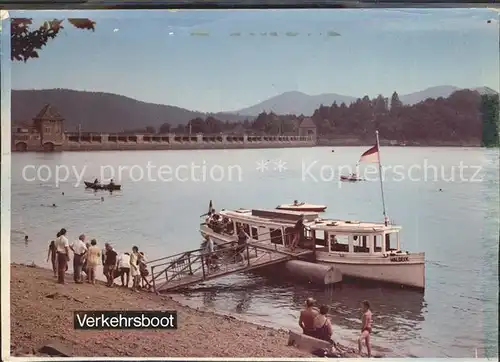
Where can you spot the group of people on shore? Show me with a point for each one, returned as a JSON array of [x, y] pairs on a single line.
[[316, 323], [87, 256]]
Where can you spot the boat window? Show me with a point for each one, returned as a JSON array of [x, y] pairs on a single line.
[[289, 234], [360, 244], [377, 243], [255, 233], [320, 237], [246, 228], [390, 243], [276, 236], [339, 243]]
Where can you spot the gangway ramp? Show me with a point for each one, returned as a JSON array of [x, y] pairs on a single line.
[[190, 267]]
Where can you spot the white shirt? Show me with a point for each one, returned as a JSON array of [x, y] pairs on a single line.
[[124, 261], [79, 247], [61, 244]]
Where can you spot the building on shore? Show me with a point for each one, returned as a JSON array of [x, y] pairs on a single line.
[[46, 133]]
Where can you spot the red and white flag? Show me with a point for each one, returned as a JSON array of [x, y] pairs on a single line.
[[370, 156]]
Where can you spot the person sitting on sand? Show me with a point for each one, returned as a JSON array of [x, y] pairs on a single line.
[[366, 328], [124, 268], [307, 317], [322, 325], [93, 256], [52, 256]]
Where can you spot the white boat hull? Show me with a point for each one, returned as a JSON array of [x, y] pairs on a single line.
[[408, 272]]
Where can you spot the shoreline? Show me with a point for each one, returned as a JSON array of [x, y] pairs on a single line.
[[230, 148], [37, 301]]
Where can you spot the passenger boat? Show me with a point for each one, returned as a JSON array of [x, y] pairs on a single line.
[[108, 187], [364, 250], [301, 206]]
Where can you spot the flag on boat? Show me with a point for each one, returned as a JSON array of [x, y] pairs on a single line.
[[370, 156]]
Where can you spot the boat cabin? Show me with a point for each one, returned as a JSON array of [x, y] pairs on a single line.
[[331, 236], [341, 236]]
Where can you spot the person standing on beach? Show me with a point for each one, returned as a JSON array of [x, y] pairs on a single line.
[[307, 317], [79, 250], [93, 255], [62, 249], [134, 268], [52, 255], [366, 328], [109, 264], [124, 268]]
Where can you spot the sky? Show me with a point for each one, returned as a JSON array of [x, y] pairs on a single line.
[[215, 61]]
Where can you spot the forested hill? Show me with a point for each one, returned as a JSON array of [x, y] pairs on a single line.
[[102, 112], [465, 115]]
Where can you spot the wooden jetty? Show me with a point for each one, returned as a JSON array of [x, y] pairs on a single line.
[[190, 267]]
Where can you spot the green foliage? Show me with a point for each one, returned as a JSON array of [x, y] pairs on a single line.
[[27, 41], [490, 117]]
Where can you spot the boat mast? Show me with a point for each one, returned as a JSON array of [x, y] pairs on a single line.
[[386, 219]]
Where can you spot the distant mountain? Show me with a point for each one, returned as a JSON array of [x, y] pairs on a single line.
[[301, 103], [102, 112], [295, 103]]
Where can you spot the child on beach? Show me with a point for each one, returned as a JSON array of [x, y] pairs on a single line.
[[366, 328]]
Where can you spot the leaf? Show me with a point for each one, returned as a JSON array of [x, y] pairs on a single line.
[[82, 23]]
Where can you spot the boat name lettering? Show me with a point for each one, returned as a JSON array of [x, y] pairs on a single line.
[[400, 258]]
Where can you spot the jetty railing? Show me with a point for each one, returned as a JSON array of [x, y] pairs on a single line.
[[178, 266]]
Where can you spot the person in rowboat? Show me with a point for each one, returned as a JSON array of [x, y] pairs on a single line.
[[366, 328]]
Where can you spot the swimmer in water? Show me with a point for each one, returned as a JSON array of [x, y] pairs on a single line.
[[26, 239], [102, 198], [62, 193], [440, 190], [54, 205]]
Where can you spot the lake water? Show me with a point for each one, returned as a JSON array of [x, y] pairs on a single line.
[[457, 227]]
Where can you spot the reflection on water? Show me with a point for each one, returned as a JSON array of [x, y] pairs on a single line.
[[397, 313]]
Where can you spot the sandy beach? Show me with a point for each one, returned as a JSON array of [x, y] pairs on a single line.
[[42, 311]]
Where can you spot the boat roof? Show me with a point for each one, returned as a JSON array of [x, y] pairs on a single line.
[[279, 218]]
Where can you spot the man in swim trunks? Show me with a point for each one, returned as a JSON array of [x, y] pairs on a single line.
[[307, 317], [366, 328]]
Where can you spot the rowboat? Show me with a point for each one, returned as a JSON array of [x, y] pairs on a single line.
[[351, 178], [302, 206], [109, 187]]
